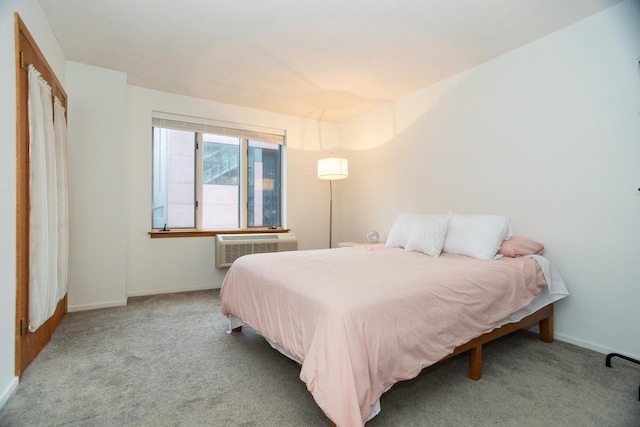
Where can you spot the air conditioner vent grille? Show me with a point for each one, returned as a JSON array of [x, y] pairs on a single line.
[[235, 251], [230, 249]]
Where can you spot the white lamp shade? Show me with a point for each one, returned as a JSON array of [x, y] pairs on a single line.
[[333, 168]]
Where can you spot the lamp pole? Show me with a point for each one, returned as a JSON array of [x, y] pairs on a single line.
[[330, 212], [330, 169]]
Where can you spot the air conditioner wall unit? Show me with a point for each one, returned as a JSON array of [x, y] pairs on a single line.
[[230, 247]]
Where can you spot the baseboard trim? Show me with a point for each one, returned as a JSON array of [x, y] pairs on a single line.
[[172, 290], [591, 346], [119, 303], [84, 307], [8, 391]]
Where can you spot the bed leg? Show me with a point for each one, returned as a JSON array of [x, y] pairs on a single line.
[[475, 363], [546, 329]]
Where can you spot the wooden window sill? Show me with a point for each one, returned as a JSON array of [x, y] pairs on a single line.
[[154, 234]]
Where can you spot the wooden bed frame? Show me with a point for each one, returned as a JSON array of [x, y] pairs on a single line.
[[543, 317]]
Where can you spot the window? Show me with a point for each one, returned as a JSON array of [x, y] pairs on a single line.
[[210, 176]]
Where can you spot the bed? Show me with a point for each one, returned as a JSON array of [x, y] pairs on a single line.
[[360, 319]]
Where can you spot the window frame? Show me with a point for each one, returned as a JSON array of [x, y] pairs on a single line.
[[245, 133]]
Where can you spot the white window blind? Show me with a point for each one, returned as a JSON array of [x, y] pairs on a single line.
[[238, 130]]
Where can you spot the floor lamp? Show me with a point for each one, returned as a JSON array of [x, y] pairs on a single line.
[[331, 169]]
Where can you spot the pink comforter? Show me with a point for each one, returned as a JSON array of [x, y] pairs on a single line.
[[363, 318]]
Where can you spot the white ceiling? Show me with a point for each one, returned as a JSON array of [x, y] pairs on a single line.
[[320, 59]]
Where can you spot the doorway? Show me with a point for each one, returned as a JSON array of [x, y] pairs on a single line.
[[28, 344]]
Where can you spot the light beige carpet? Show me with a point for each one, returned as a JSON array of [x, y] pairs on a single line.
[[166, 360]]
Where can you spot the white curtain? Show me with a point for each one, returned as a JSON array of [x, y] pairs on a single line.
[[48, 215]]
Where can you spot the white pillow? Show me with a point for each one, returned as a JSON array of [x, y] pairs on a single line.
[[400, 231], [477, 236], [428, 234]]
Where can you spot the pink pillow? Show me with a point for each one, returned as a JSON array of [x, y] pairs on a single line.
[[519, 246]]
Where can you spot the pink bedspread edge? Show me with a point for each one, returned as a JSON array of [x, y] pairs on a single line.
[[361, 319]]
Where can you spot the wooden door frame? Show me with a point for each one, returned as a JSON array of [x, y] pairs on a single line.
[[28, 344]]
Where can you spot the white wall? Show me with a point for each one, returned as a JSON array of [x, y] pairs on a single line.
[[549, 135], [35, 21], [182, 264], [97, 215]]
